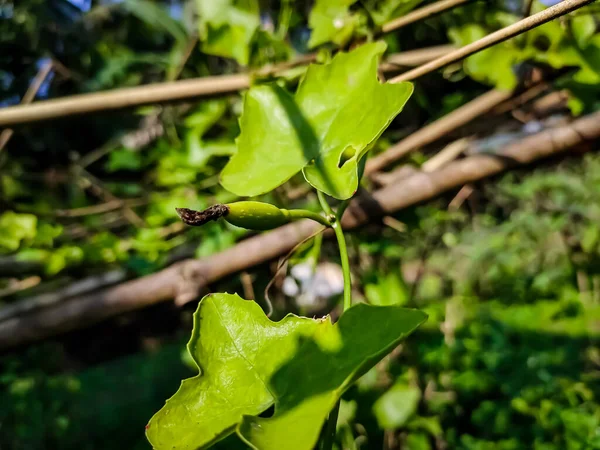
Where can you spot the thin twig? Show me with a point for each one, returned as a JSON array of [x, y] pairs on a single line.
[[447, 154], [565, 7], [20, 285], [422, 13], [110, 205], [30, 94], [97, 187]]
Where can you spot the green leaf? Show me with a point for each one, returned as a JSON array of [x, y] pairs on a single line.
[[501, 58], [274, 144], [249, 363], [339, 111], [123, 159], [331, 21], [206, 115], [15, 228], [350, 109], [389, 289], [227, 27], [156, 17], [396, 406], [584, 27], [383, 11]]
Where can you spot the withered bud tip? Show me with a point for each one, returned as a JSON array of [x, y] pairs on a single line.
[[197, 218]]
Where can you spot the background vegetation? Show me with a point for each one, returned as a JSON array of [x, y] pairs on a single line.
[[510, 277]]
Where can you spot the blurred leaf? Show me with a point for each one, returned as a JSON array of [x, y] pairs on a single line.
[[320, 123], [123, 159], [388, 290], [383, 11], [584, 27], [479, 66], [227, 27], [249, 363], [15, 228], [206, 115], [331, 21], [394, 408], [156, 17]]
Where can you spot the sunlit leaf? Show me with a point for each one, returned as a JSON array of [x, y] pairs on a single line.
[[15, 228], [227, 27], [331, 21], [339, 111], [249, 363]]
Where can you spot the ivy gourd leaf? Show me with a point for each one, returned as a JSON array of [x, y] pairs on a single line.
[[338, 112], [274, 144], [350, 109], [331, 21], [249, 363], [227, 27]]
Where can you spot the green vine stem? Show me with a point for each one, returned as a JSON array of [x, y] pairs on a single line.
[[306, 214], [330, 428], [335, 223]]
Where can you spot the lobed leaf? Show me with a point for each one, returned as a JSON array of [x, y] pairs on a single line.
[[338, 112], [249, 363], [227, 27], [331, 21]]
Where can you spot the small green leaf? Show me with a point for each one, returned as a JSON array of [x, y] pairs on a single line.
[[15, 228], [249, 363], [584, 27], [227, 27], [396, 406], [339, 111], [331, 21], [389, 289], [123, 159]]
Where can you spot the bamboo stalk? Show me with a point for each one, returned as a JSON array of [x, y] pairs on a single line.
[[422, 13]]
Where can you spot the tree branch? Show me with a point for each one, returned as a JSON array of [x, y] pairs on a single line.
[[184, 281]]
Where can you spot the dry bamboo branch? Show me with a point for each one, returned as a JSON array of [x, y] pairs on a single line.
[[123, 98], [32, 91], [412, 58], [436, 130], [185, 280], [565, 7], [422, 13]]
